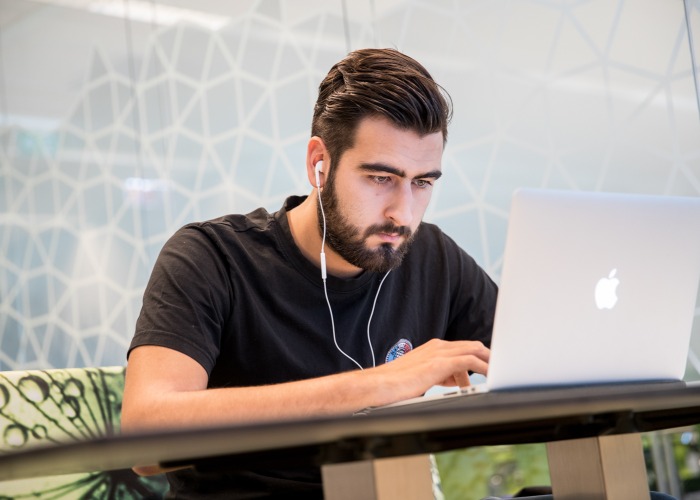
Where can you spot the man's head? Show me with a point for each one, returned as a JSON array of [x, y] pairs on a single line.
[[380, 125], [380, 83]]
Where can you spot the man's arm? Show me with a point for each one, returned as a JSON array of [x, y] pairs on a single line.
[[167, 389]]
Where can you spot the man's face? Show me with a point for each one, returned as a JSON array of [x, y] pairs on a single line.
[[378, 194]]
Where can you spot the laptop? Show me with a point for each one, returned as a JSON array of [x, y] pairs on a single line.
[[596, 288]]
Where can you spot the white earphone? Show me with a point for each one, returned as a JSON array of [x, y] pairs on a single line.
[[317, 170]]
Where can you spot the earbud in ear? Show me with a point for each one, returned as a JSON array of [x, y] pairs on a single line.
[[319, 169]]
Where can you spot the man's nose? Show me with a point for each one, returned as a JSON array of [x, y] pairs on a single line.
[[400, 209]]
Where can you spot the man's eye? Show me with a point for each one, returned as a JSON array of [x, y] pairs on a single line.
[[422, 183], [380, 179]]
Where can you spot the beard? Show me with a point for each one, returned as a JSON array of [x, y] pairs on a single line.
[[349, 241]]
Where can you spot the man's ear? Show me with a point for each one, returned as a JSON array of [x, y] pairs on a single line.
[[317, 156]]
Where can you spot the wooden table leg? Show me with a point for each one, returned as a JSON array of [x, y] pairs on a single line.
[[402, 478], [605, 467]]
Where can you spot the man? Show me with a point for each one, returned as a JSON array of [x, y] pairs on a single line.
[[340, 300]]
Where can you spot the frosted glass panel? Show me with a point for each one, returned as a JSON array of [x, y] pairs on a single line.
[[112, 138]]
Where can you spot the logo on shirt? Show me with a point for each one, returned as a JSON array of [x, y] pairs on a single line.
[[399, 349]]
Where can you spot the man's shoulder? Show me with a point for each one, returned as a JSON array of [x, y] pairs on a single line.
[[433, 245], [224, 234], [232, 223], [259, 219], [429, 235]]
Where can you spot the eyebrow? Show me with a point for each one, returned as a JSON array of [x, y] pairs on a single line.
[[384, 168]]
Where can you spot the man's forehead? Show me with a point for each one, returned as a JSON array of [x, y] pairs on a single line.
[[380, 140], [373, 123]]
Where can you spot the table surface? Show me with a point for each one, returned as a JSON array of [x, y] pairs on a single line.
[[540, 415]]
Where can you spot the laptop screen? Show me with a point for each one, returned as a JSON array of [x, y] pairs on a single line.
[[596, 287]]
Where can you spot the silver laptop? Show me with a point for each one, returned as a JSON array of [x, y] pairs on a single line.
[[596, 288]]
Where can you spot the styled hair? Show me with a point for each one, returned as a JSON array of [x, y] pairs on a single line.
[[377, 82]]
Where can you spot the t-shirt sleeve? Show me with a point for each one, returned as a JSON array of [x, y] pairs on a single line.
[[187, 299]]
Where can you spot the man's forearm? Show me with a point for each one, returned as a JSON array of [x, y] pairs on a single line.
[[166, 389]]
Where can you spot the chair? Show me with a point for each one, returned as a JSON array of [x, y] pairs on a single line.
[[41, 407]]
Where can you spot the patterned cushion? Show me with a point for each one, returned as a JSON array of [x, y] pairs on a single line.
[[41, 407]]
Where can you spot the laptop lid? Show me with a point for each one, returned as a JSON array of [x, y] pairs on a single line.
[[595, 288]]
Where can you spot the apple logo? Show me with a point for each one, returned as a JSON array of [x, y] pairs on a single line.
[[606, 291]]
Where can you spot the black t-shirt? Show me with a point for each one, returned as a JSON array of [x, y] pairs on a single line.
[[237, 295]]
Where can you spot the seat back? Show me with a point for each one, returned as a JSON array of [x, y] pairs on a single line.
[[43, 407]]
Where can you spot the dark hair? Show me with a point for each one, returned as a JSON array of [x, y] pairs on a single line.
[[377, 82]]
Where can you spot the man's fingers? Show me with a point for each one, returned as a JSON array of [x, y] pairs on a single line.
[[462, 379], [459, 348]]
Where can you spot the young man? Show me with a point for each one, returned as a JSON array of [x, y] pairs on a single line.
[[340, 300]]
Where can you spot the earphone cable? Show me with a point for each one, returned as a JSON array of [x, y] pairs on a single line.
[[328, 302], [369, 322], [335, 341], [323, 276]]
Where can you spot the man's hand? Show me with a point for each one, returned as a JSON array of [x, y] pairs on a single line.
[[437, 362]]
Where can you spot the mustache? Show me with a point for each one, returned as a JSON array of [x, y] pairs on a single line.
[[388, 228]]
